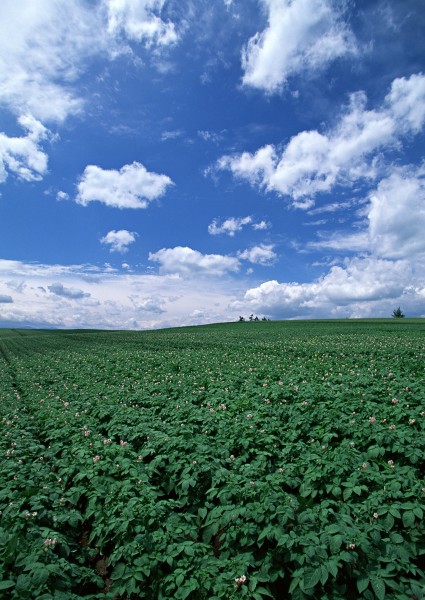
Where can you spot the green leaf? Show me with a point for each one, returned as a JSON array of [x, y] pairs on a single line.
[[418, 512], [6, 584], [362, 583], [408, 518], [378, 587], [335, 543], [312, 577]]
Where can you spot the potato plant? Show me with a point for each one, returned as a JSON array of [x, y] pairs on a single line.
[[245, 460]]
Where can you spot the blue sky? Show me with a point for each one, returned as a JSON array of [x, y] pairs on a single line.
[[169, 162]]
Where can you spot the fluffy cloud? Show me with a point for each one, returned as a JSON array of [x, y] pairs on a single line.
[[397, 215], [229, 226], [130, 187], [301, 35], [23, 156], [65, 292], [259, 255], [362, 287], [188, 262], [314, 162], [138, 20], [394, 220], [119, 240]]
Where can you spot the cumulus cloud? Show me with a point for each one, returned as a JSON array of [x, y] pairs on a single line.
[[394, 220], [23, 156], [119, 241], [67, 292], [130, 187], [314, 162], [362, 286], [259, 255], [188, 262], [301, 35], [5, 299], [139, 21], [396, 215]]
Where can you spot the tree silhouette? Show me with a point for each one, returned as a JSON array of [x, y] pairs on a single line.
[[398, 313]]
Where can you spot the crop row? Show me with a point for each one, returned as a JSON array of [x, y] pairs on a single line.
[[240, 461]]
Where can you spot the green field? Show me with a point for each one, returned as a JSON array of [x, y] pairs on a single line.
[[241, 460]]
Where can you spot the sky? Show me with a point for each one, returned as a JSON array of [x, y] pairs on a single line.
[[180, 162]]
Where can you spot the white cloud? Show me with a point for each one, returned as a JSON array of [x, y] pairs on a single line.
[[394, 222], [62, 196], [261, 225], [46, 46], [130, 187], [397, 215], [42, 47], [314, 162], [259, 255], [139, 21], [229, 226], [188, 262], [362, 287], [233, 224], [302, 35], [119, 241], [23, 156], [115, 300]]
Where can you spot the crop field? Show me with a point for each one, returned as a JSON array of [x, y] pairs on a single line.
[[242, 460]]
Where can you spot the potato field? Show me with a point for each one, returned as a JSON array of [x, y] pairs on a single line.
[[243, 460]]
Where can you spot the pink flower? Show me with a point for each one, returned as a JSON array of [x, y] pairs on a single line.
[[96, 458], [372, 419], [375, 515], [394, 400], [122, 443]]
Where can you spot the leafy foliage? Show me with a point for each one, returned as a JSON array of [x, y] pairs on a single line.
[[280, 461]]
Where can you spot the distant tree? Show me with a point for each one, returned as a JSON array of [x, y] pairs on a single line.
[[256, 319], [251, 317], [241, 319], [264, 319], [398, 313]]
